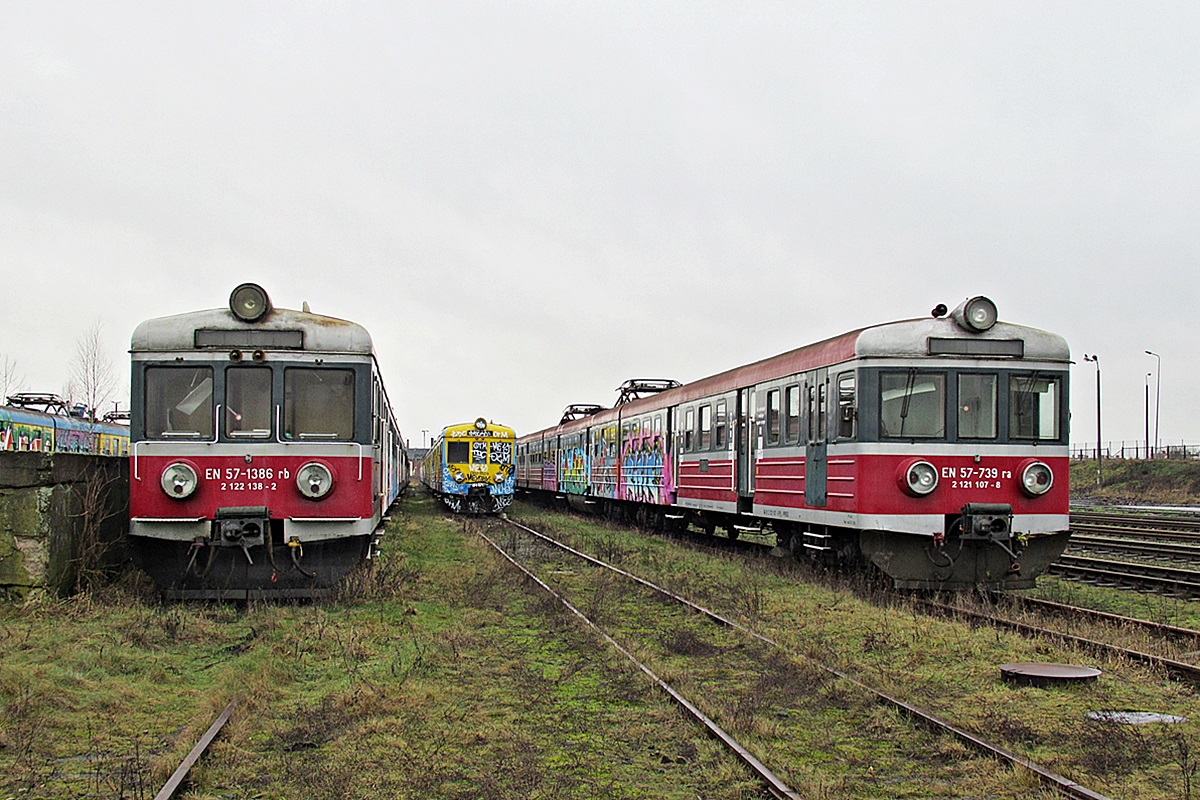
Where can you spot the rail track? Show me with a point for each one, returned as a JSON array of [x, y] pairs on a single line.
[[1164, 523], [1129, 574], [777, 788], [1177, 668], [1147, 552]]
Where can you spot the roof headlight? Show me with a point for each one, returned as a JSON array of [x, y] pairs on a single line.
[[249, 302], [977, 314], [1036, 479], [480, 424], [314, 480], [179, 480]]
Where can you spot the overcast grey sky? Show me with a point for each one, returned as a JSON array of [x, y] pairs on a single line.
[[527, 203]]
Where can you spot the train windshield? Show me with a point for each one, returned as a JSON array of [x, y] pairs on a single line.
[[318, 404], [247, 402], [1033, 406], [179, 403], [912, 404], [458, 452], [501, 452]]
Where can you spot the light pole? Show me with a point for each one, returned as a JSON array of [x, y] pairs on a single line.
[[424, 433], [1148, 456], [1157, 389], [1099, 468]]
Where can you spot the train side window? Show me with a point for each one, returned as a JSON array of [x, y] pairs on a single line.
[[977, 407], [658, 424], [912, 404], [773, 416], [705, 427], [822, 410], [318, 404], [810, 394], [1034, 407], [179, 403], [847, 406], [247, 411], [791, 431], [721, 426], [689, 427]]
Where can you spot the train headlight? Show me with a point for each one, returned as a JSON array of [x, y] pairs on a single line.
[[458, 476], [1036, 478], [977, 314], [480, 424], [249, 302], [314, 480], [918, 478], [179, 480]]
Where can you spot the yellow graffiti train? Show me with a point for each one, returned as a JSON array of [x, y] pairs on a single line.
[[470, 467]]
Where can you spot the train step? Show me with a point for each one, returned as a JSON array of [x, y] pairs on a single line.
[[817, 541]]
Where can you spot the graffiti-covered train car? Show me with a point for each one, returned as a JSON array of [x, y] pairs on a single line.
[[470, 467], [47, 423]]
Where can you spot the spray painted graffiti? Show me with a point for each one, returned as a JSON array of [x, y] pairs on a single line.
[[573, 469], [16, 436], [604, 463], [501, 452], [22, 430], [645, 469]]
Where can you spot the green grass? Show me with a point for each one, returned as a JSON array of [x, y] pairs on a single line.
[[437, 675], [441, 672], [1134, 481], [945, 666]]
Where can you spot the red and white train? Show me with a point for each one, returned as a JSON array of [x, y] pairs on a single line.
[[935, 449], [263, 452]]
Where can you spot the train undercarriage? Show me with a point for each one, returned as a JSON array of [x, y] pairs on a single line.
[[977, 548], [265, 567]]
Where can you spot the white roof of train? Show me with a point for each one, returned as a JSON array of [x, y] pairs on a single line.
[[321, 333]]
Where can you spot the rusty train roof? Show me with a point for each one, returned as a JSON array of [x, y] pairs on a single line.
[[904, 339], [320, 333]]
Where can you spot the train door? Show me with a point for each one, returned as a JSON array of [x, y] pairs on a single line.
[[746, 451], [817, 393]]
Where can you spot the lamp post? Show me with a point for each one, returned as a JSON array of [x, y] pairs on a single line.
[[1099, 468], [1157, 390], [1148, 456]]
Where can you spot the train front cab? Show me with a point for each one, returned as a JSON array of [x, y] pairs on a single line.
[[258, 461], [473, 469]]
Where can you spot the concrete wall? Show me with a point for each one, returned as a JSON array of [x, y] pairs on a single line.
[[63, 520]]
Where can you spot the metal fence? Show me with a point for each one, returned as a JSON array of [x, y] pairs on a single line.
[[1135, 449]]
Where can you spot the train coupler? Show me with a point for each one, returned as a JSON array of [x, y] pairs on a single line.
[[987, 522]]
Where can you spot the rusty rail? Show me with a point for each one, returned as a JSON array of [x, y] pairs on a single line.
[[168, 789]]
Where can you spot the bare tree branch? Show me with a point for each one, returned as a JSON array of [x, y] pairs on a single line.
[[10, 381], [92, 379]]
